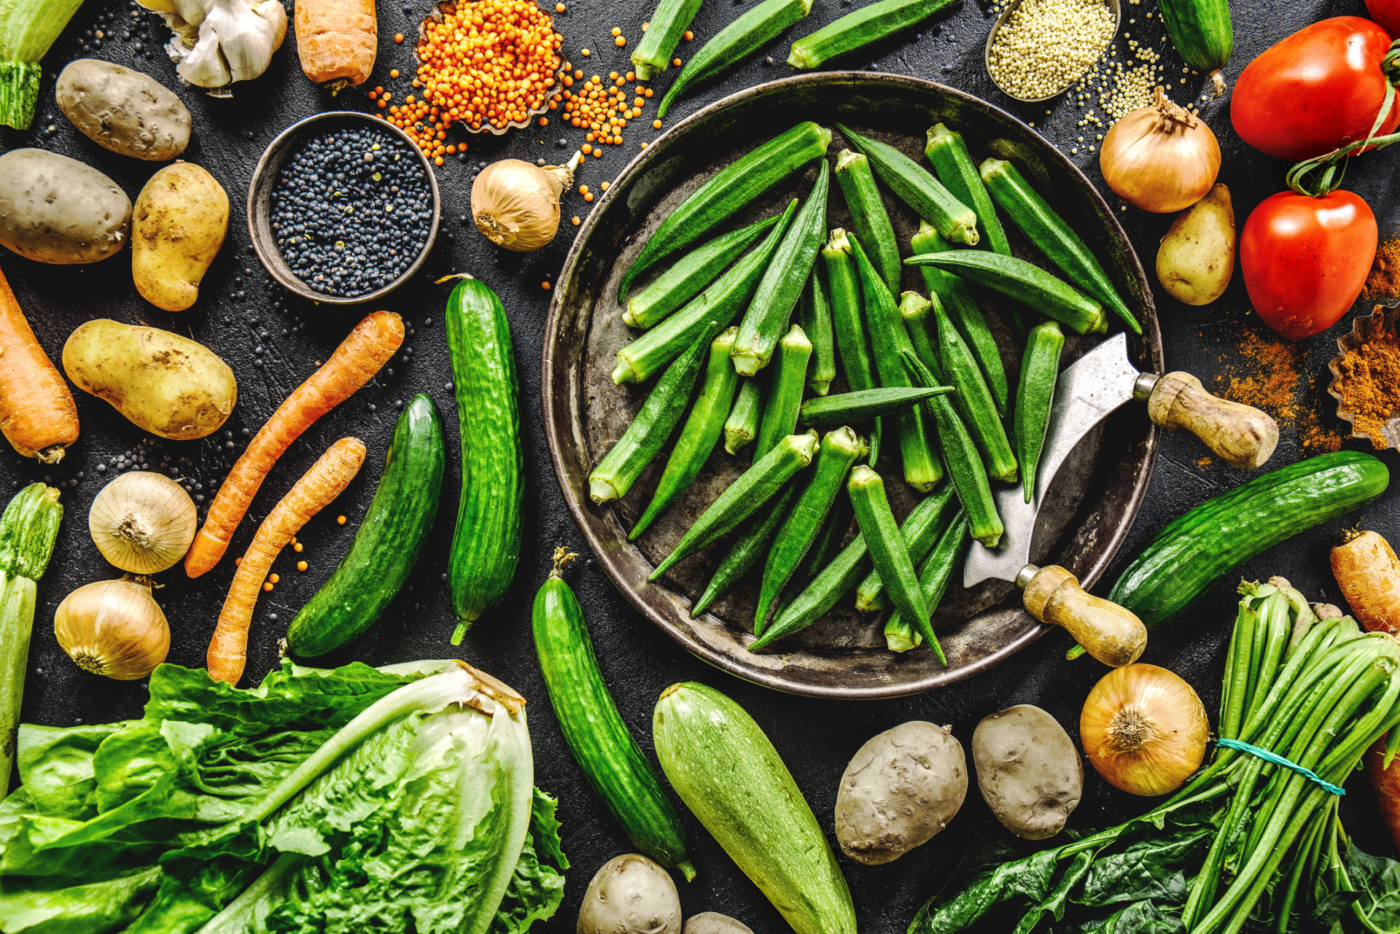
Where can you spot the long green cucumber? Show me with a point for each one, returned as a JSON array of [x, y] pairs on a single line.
[[741, 428], [387, 544], [698, 437], [486, 544], [731, 189], [1197, 549], [1040, 369], [1202, 34], [771, 308], [815, 317], [28, 530], [650, 427], [934, 574], [784, 391], [973, 400], [872, 221], [956, 298], [728, 773], [654, 52], [1024, 282], [946, 151], [750, 544], [848, 321], [600, 742], [860, 28], [703, 317], [743, 497], [689, 276], [913, 185], [858, 406], [1051, 235], [919, 537], [839, 450]]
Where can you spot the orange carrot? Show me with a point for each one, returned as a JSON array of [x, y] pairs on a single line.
[[370, 345], [1387, 784], [331, 474], [37, 413], [1368, 573]]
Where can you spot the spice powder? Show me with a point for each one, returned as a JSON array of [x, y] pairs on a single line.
[[1369, 381]]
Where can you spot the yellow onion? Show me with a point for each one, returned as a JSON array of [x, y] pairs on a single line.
[[142, 522], [1161, 158], [1144, 730], [516, 203], [113, 628]]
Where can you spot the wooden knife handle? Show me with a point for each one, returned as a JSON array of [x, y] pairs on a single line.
[[1108, 632], [1240, 435]]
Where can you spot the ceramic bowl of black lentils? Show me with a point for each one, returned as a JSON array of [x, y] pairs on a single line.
[[343, 208]]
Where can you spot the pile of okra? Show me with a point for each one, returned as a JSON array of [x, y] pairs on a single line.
[[923, 372]]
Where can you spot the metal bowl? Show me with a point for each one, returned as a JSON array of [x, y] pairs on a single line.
[[1114, 6], [260, 202], [1088, 511], [1363, 328]]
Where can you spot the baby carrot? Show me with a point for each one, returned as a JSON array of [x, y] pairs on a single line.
[[370, 345], [331, 474], [37, 413]]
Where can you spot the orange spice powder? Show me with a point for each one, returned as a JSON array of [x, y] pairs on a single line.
[[1369, 383], [1383, 284], [1268, 373]]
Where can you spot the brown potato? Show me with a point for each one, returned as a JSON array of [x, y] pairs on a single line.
[[630, 895], [1028, 770], [178, 227], [712, 922], [57, 210], [123, 110], [1197, 256]]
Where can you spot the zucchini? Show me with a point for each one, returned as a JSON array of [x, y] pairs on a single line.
[[944, 558], [741, 428], [947, 152], [1202, 34], [860, 28], [1040, 370], [388, 541], [729, 191], [848, 322], [973, 400], [784, 391], [28, 530], [872, 221], [728, 773], [1222, 533], [684, 280], [918, 189], [748, 546], [815, 317], [919, 537], [486, 544], [671, 19], [588, 717], [1024, 282], [858, 406]]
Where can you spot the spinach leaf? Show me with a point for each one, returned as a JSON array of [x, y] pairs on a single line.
[[1025, 880], [1152, 866], [1377, 880], [1138, 918]]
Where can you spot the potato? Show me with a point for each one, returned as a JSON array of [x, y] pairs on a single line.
[[57, 210], [164, 383], [1197, 256], [179, 225], [630, 895], [1028, 769], [900, 789], [712, 922], [123, 110]]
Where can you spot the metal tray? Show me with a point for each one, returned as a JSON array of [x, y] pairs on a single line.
[[1089, 510]]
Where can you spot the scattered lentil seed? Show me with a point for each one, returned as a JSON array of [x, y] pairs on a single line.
[[620, 42], [275, 579], [545, 286], [398, 37], [267, 585], [616, 31], [301, 565], [687, 35], [297, 546], [393, 73], [340, 520]]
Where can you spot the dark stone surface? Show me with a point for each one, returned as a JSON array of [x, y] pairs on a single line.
[[238, 313]]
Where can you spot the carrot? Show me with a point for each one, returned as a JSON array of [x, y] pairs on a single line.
[[37, 413], [1368, 573], [1387, 785], [336, 40], [370, 345], [331, 474]]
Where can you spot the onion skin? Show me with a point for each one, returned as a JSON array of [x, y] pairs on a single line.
[[113, 628], [516, 204], [1160, 158], [142, 522], [1144, 730]]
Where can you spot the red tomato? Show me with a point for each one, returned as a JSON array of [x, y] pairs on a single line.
[[1314, 91], [1387, 14], [1305, 259]]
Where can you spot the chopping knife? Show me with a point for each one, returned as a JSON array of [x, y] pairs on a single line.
[[1087, 391]]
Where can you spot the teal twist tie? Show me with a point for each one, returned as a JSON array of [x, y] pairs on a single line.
[[1280, 760]]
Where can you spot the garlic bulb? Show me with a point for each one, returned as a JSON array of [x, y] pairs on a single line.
[[1144, 729], [1161, 158], [113, 628], [142, 522], [218, 42], [516, 204]]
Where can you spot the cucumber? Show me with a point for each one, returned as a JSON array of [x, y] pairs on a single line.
[[671, 19], [815, 317], [917, 188], [741, 427], [731, 189], [612, 763], [1222, 533], [1024, 282], [486, 544], [1202, 34], [860, 28], [872, 221], [688, 277], [785, 386], [858, 406], [727, 772], [947, 152], [388, 542], [1040, 370]]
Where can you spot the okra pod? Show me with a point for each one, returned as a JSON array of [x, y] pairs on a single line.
[[699, 434], [750, 544], [860, 28], [815, 317], [917, 312], [735, 43], [974, 400], [920, 531], [741, 428], [964, 462], [647, 434], [771, 308], [918, 444], [729, 191], [858, 406], [913, 185], [1040, 368], [848, 321], [784, 391], [839, 450], [887, 550], [934, 575], [671, 19], [703, 317], [1024, 282], [1051, 235], [946, 151], [743, 497], [956, 298], [684, 280], [827, 546], [872, 221]]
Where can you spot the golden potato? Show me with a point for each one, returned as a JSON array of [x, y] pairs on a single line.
[[1197, 256], [163, 383], [177, 228]]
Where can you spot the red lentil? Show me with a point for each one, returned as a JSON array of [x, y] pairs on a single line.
[[301, 565]]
